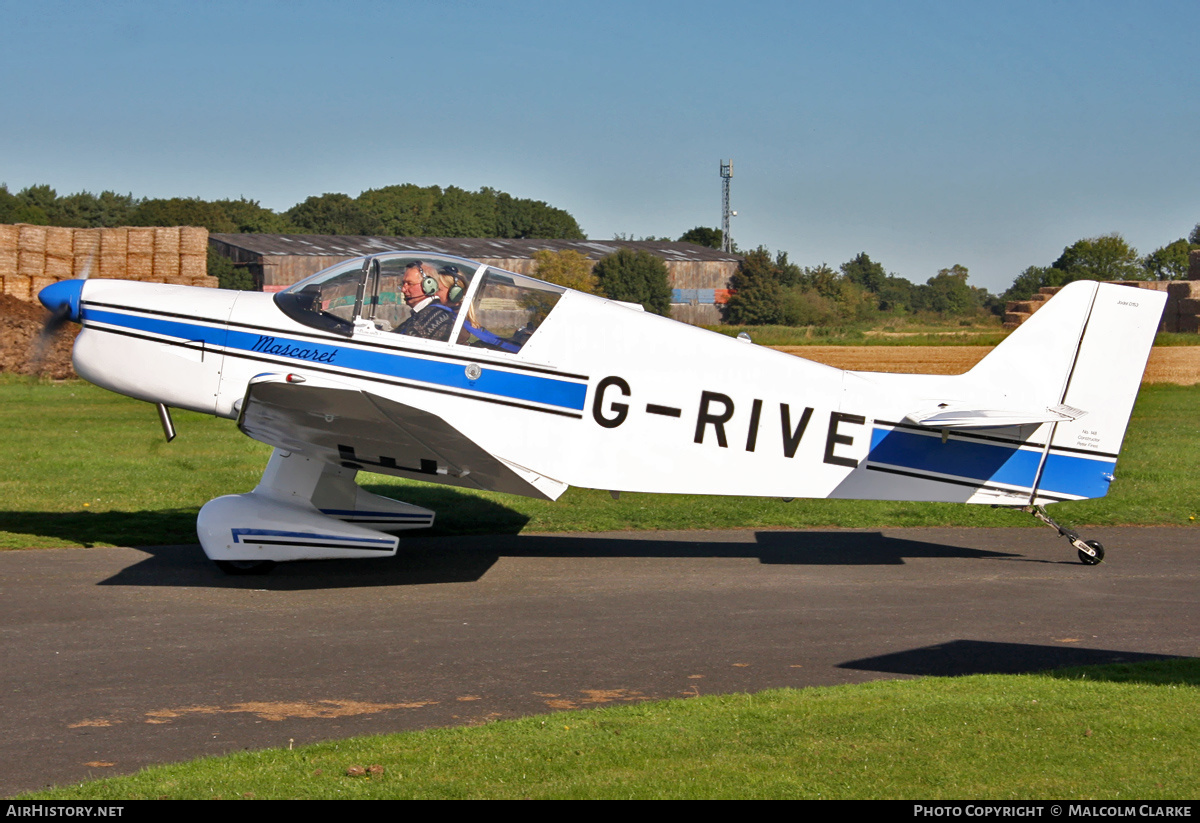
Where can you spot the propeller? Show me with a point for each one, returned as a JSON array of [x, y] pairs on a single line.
[[63, 299]]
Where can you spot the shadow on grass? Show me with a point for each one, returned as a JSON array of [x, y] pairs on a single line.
[[963, 657]]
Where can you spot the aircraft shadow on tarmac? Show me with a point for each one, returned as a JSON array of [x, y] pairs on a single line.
[[428, 560], [962, 657]]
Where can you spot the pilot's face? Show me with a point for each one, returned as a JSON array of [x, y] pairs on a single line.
[[410, 287]]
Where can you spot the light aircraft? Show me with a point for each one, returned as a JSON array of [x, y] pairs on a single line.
[[531, 387]]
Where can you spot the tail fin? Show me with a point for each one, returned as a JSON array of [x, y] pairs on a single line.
[[1082, 355]]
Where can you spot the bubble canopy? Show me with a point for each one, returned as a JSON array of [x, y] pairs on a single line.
[[473, 304]]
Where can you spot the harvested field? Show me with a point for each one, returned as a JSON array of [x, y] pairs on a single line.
[[1168, 364]]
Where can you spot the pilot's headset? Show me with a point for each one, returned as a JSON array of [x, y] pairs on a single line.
[[429, 283], [455, 294]]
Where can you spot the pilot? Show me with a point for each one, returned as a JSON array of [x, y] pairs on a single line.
[[431, 319]]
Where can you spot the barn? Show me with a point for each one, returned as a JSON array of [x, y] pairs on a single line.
[[699, 276]]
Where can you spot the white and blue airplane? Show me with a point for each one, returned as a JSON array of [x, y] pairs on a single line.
[[527, 388]]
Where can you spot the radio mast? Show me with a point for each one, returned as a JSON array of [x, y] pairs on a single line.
[[726, 212]]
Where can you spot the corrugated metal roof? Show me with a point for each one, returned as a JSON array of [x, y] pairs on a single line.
[[474, 248]]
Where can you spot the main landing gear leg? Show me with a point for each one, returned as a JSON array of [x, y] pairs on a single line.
[[1091, 552]]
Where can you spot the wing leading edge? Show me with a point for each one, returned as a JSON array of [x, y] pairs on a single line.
[[360, 430]]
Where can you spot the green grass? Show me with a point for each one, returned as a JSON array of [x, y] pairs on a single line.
[[85, 467], [1109, 732]]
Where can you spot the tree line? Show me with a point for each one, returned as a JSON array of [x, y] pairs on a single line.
[[404, 210], [770, 290]]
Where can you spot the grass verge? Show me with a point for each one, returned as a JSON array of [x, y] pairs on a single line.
[[1106, 732]]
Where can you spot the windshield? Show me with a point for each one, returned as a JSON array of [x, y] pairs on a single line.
[[374, 289]]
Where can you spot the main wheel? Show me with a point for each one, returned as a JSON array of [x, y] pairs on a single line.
[[245, 566], [1087, 559]]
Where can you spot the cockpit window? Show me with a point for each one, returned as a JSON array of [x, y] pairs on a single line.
[[373, 289], [506, 310]]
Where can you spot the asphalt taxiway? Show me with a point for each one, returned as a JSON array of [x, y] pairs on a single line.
[[118, 658]]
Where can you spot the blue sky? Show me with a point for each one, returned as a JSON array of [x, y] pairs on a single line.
[[924, 133]]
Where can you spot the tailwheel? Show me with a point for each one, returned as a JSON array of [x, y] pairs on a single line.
[[1092, 559], [1091, 553], [245, 566]]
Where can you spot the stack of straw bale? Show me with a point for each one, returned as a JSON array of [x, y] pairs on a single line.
[[33, 257], [1181, 314]]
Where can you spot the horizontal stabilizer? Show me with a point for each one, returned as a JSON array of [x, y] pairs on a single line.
[[946, 416]]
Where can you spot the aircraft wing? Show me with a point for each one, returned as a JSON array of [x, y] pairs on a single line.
[[360, 430]]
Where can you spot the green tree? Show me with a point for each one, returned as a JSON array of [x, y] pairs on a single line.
[[181, 211], [401, 211], [1031, 280], [229, 276], [460, 213], [635, 277], [702, 236], [566, 268], [248, 217], [758, 294], [865, 272], [1107, 257], [947, 293], [896, 295], [1169, 262], [331, 213]]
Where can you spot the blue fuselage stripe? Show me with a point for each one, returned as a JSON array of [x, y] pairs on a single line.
[[495, 382], [991, 463]]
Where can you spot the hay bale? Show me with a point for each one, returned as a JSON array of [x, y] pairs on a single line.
[[114, 242], [60, 242], [1190, 305], [85, 242], [9, 237], [193, 265], [112, 267], [31, 263], [166, 240], [59, 268], [193, 240], [8, 262], [140, 241], [1012, 319], [1183, 289], [166, 266], [139, 266], [1189, 324], [36, 284], [1023, 306], [32, 239]]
